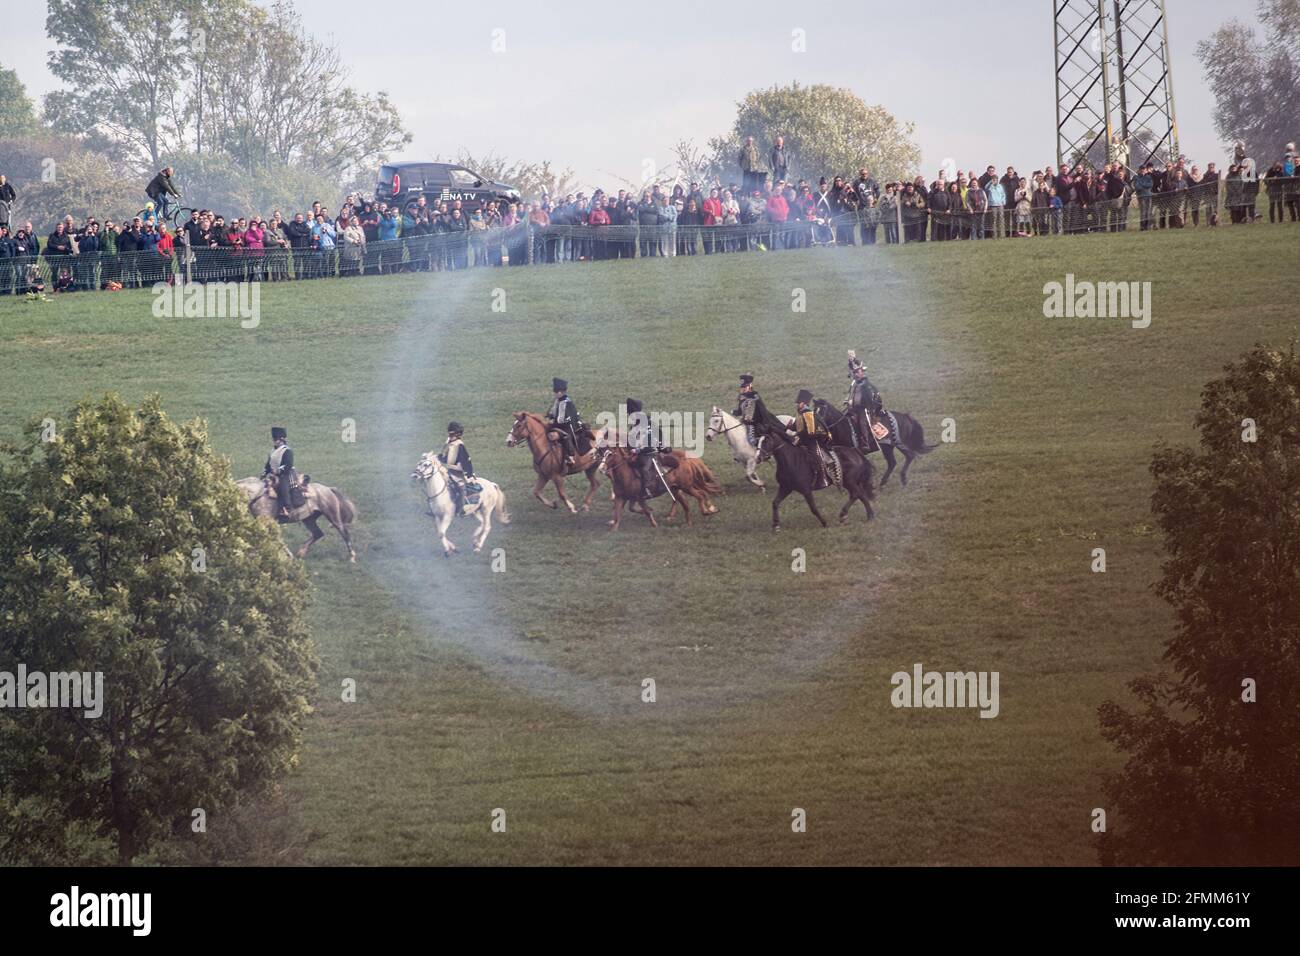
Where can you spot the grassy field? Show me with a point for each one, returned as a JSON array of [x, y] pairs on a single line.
[[522, 690]]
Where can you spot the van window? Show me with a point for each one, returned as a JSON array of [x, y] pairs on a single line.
[[463, 178]]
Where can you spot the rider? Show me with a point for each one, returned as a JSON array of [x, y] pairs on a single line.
[[279, 467], [864, 403], [563, 418], [644, 438], [460, 469], [811, 432], [159, 188], [753, 413]]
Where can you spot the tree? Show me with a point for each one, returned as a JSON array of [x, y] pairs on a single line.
[[828, 132], [213, 77], [1212, 778], [17, 112], [1256, 84], [206, 659]]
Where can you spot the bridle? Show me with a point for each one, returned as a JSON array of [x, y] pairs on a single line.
[[426, 470]]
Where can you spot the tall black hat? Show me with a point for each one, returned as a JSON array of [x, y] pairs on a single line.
[[803, 396], [455, 428], [278, 432], [746, 380], [633, 406], [559, 385]]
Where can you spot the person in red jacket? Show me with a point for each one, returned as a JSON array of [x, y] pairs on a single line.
[[711, 209], [599, 216], [778, 211]]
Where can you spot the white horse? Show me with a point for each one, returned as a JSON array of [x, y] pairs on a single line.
[[436, 487], [745, 454]]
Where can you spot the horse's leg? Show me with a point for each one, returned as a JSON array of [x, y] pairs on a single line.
[[342, 529], [776, 507], [537, 492], [812, 506], [443, 524], [888, 452], [618, 513], [558, 481], [316, 534], [593, 482], [484, 516], [908, 455], [645, 506]]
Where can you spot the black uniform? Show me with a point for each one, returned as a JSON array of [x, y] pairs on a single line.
[[564, 418], [279, 466], [645, 439], [754, 414]]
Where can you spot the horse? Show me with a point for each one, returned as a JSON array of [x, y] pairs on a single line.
[[685, 478], [745, 454], [321, 500], [436, 486], [911, 438], [548, 460], [796, 473]]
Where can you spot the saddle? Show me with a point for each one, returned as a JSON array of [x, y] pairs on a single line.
[[297, 488]]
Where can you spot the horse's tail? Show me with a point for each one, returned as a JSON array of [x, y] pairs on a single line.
[[502, 514], [708, 483], [347, 510], [920, 447]]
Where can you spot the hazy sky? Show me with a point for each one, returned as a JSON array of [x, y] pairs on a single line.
[[600, 88]]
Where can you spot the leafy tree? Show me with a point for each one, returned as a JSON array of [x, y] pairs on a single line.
[[17, 112], [207, 667], [1256, 84], [1211, 778], [221, 77], [828, 132]]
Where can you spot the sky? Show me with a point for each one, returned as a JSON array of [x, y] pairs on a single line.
[[601, 88]]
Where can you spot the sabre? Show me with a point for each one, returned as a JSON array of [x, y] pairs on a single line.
[[659, 471]]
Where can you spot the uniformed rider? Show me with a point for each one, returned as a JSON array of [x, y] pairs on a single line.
[[460, 470], [753, 413], [864, 403], [811, 432], [563, 418], [644, 438], [279, 468]]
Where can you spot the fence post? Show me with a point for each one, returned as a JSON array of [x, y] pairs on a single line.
[[899, 207]]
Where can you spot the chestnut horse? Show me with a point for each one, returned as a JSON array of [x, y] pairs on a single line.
[[686, 477], [548, 460]]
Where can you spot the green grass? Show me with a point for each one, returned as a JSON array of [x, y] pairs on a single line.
[[522, 690]]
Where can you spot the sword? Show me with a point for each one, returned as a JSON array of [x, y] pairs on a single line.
[[659, 471]]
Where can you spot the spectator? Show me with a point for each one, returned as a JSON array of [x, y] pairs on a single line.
[[751, 167], [777, 160]]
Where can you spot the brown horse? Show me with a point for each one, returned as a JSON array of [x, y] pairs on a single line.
[[321, 500], [686, 478], [548, 460]]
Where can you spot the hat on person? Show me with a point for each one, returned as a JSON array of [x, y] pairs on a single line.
[[454, 428], [559, 385], [632, 405], [278, 432], [804, 396], [746, 380]]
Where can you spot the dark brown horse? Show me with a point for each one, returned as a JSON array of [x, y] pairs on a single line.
[[548, 460], [796, 472]]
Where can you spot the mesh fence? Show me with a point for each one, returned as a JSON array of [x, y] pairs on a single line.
[[902, 219]]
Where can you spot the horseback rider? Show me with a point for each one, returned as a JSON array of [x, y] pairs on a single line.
[[563, 418], [644, 439], [279, 468], [460, 469], [750, 409], [811, 432], [864, 403]]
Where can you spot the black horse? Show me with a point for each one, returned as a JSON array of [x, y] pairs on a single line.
[[911, 442], [796, 472]]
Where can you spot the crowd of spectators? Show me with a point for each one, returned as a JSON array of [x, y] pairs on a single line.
[[765, 210]]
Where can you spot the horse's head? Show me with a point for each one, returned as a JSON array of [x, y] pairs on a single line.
[[518, 431], [716, 425], [427, 466]]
